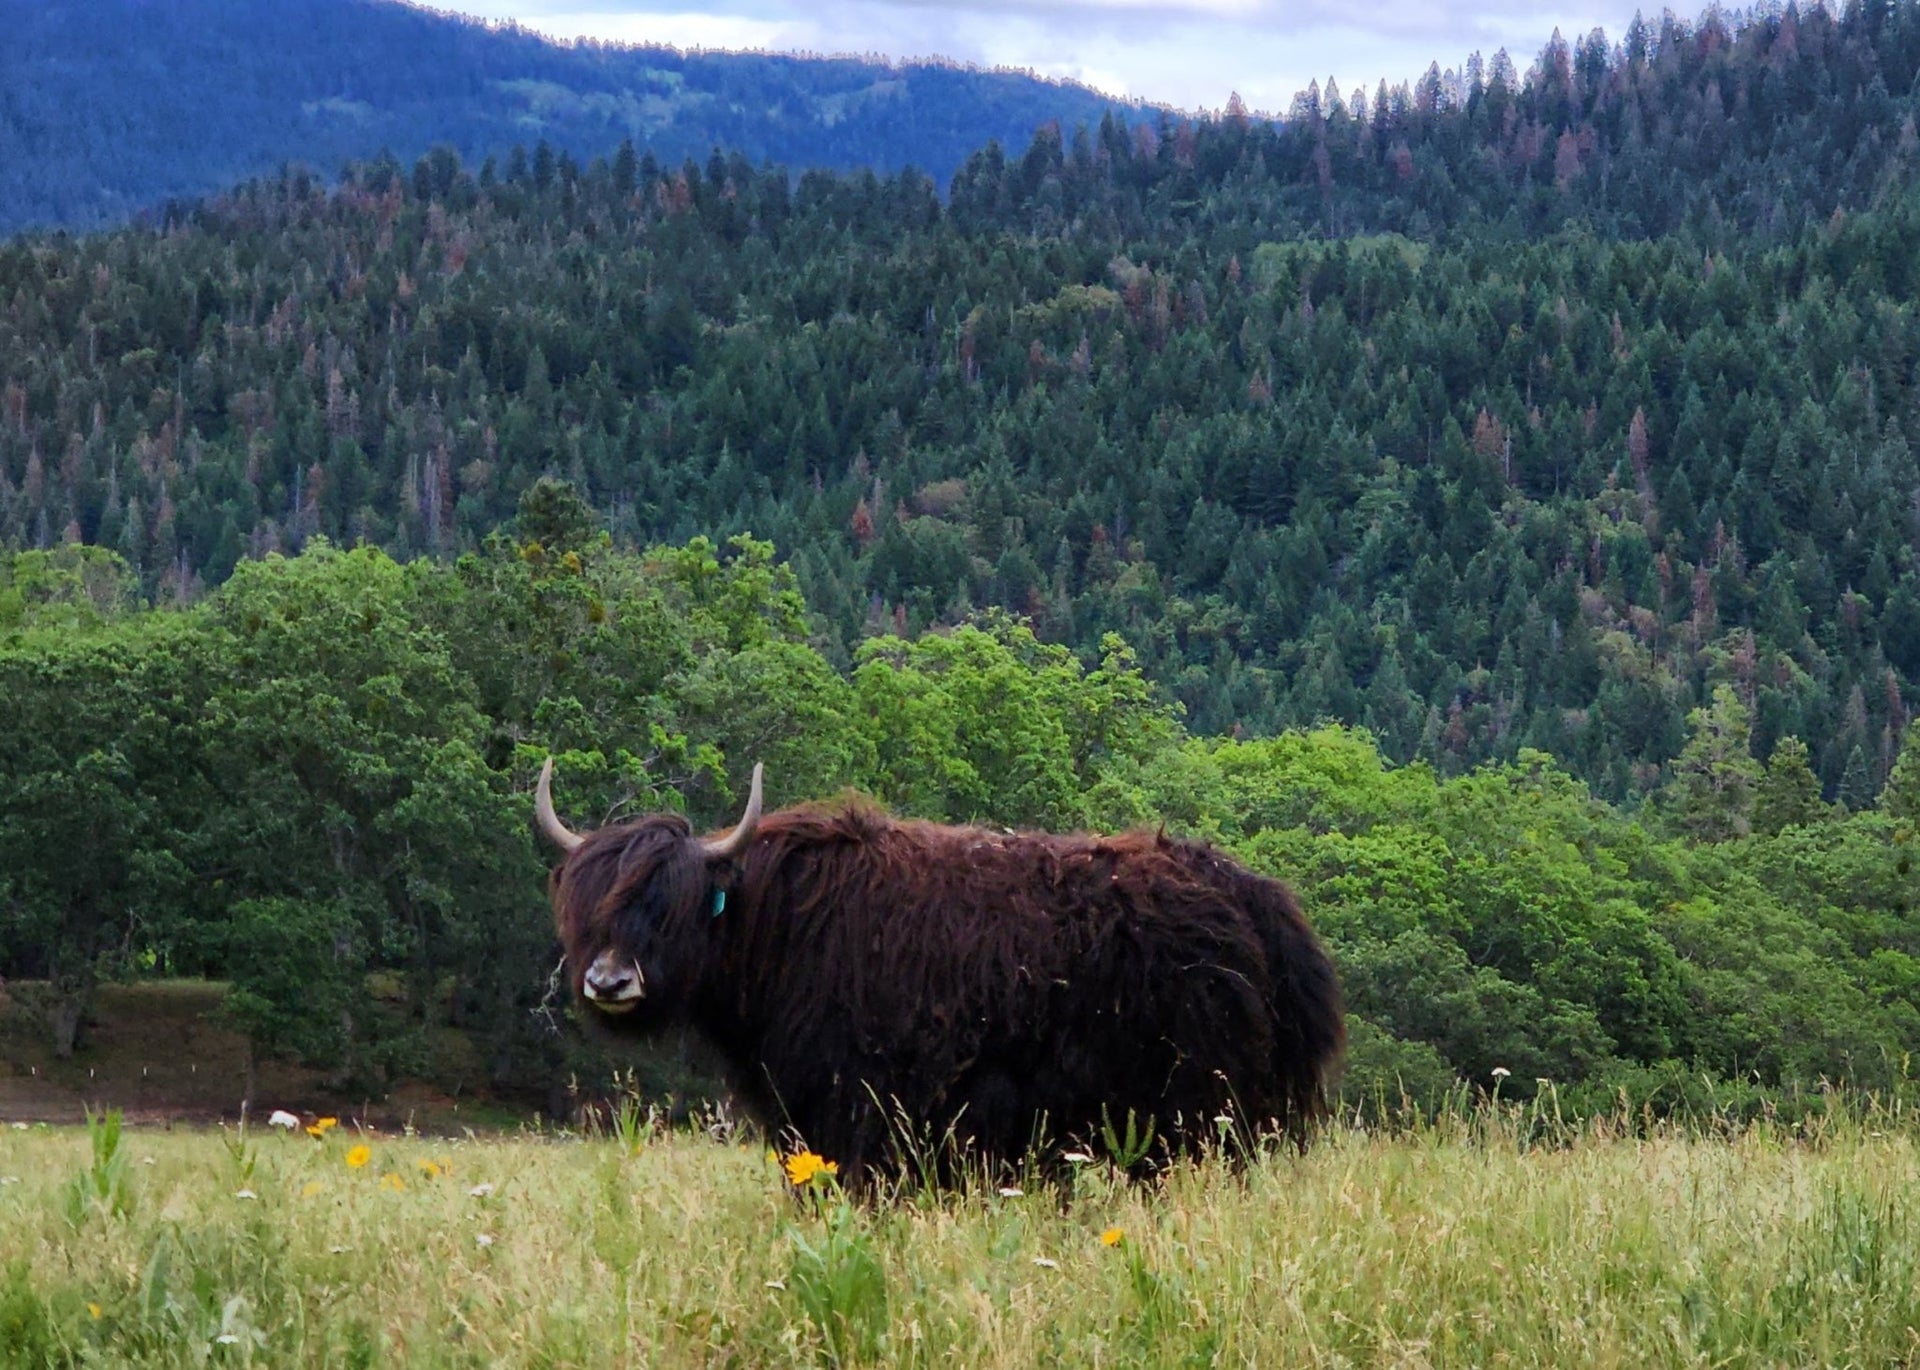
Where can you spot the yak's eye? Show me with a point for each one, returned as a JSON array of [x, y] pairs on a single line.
[[636, 924]]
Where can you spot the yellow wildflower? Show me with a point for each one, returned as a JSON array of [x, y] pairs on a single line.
[[359, 1156], [1113, 1236], [321, 1128], [429, 1168], [311, 1188], [94, 1309], [804, 1167], [393, 1182]]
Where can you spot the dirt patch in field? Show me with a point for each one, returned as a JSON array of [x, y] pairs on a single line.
[[161, 1053]]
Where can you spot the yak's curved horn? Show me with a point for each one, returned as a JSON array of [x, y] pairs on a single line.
[[551, 827], [735, 842]]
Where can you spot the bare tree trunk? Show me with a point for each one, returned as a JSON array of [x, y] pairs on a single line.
[[70, 996], [63, 1017]]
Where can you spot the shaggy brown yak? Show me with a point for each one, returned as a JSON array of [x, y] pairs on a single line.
[[858, 972]]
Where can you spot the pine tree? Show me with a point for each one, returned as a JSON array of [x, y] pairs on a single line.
[[1856, 781], [553, 514], [1712, 791], [1788, 795]]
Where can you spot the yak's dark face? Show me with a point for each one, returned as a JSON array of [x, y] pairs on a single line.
[[630, 903], [627, 906]]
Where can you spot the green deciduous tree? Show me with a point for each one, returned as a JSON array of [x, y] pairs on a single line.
[[298, 971], [988, 723], [101, 804], [350, 750], [1901, 796]]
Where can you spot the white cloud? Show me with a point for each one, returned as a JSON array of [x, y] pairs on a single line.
[[1187, 53]]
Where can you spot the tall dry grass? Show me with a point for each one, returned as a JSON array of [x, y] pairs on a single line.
[[1494, 1237]]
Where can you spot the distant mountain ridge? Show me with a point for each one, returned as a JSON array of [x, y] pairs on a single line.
[[108, 107]]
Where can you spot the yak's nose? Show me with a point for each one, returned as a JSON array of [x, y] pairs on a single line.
[[614, 983]]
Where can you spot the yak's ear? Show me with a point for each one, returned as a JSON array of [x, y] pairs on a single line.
[[734, 843]]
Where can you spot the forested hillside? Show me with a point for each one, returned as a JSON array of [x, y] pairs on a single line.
[[109, 107], [1510, 470]]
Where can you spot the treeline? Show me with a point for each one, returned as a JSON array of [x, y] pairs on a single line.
[[313, 784], [1744, 124], [112, 107]]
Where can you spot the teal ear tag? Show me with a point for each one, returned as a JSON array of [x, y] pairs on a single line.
[[719, 902]]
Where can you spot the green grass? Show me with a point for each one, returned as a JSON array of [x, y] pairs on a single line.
[[1461, 1244]]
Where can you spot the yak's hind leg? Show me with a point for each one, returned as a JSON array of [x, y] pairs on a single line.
[[995, 1125], [1309, 1016], [1303, 1000]]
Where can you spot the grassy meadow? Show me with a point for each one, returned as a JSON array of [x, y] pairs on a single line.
[[1485, 1240]]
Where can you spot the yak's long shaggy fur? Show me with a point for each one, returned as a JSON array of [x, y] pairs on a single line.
[[864, 971]]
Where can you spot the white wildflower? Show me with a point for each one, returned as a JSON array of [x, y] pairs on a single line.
[[480, 1191], [1077, 1157], [283, 1120], [1045, 1264], [1501, 1072], [483, 1239], [245, 1194], [1011, 1191]]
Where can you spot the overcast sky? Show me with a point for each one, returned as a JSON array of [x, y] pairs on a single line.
[[1186, 53]]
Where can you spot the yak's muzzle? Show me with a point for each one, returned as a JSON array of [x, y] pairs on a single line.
[[614, 984]]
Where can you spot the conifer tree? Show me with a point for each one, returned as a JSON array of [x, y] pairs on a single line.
[[1788, 795], [1856, 781], [1712, 792]]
